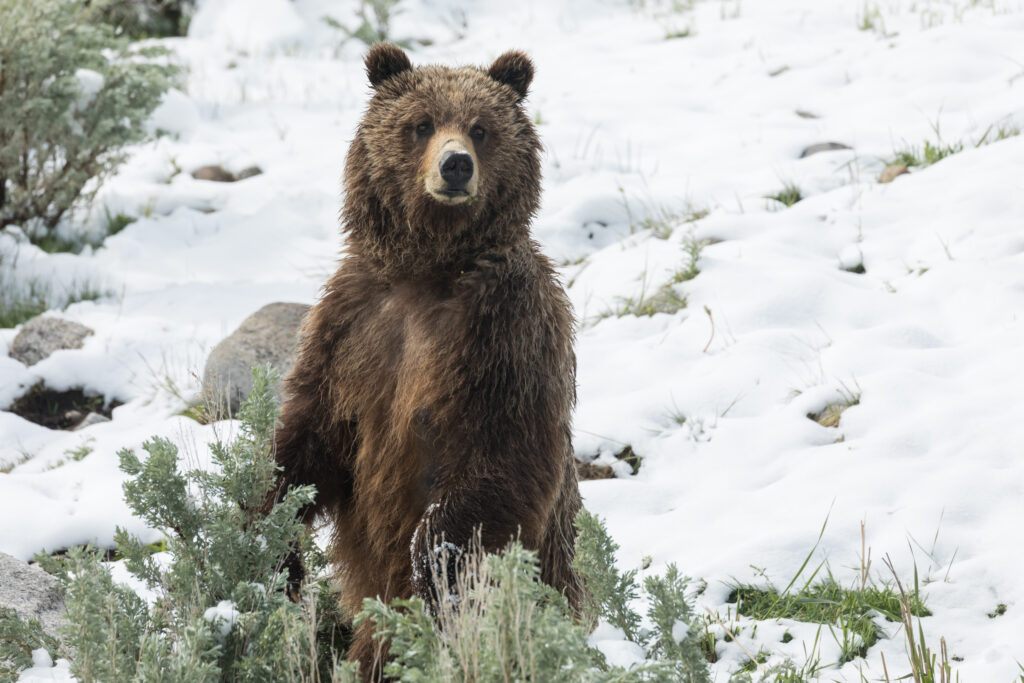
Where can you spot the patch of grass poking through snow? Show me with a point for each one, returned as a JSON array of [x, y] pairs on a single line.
[[847, 612], [18, 304], [22, 299], [933, 152], [662, 221], [831, 414], [925, 155], [787, 196], [665, 299], [869, 18], [22, 458]]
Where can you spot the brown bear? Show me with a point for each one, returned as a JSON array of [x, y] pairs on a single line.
[[433, 390]]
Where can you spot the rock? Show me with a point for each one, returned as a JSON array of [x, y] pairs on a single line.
[[215, 173], [891, 172], [248, 172], [219, 174], [823, 147], [270, 335], [41, 336], [32, 593], [89, 420]]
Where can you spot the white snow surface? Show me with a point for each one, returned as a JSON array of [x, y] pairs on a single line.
[[714, 397], [222, 616]]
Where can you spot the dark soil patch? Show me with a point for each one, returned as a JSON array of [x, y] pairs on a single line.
[[586, 471], [630, 458], [60, 409]]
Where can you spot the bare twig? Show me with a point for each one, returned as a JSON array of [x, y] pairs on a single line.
[[712, 319]]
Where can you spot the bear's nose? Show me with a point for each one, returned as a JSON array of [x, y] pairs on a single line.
[[456, 169]]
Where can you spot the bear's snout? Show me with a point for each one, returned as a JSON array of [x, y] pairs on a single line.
[[456, 170], [452, 171]]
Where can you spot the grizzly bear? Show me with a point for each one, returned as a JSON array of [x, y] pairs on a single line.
[[432, 394]]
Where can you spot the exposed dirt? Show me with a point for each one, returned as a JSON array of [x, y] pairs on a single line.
[[60, 409]]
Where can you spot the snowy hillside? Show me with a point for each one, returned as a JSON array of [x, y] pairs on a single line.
[[714, 319]]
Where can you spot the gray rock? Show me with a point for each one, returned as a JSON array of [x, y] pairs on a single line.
[[89, 420], [41, 336], [248, 172], [32, 593], [270, 335], [215, 173], [823, 147], [219, 174]]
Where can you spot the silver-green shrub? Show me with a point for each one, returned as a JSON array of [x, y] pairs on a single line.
[[219, 611], [145, 18], [73, 94]]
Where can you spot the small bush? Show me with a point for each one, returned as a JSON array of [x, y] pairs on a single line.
[[220, 611], [145, 18], [374, 23], [68, 107], [17, 641]]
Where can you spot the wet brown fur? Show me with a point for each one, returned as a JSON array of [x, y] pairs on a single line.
[[434, 387]]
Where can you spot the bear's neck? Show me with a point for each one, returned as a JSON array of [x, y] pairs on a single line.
[[432, 248]]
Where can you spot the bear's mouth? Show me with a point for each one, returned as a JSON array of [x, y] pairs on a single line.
[[451, 197]]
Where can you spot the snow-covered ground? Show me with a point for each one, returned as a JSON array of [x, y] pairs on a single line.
[[714, 397]]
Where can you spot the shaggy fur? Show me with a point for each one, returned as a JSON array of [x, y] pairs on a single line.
[[433, 391]]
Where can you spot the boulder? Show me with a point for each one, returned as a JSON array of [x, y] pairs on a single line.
[[268, 336], [32, 593], [41, 336]]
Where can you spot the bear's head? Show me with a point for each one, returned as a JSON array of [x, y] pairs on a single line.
[[445, 163]]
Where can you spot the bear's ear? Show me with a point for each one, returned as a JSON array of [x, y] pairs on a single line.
[[385, 60], [515, 70]]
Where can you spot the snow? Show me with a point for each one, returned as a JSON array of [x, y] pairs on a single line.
[[618, 651], [222, 616], [714, 397], [44, 669]]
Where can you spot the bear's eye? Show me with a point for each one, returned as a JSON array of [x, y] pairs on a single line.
[[425, 128], [478, 132]]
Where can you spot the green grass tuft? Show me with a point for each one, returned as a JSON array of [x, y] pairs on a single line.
[[932, 152], [848, 612], [18, 304], [787, 196]]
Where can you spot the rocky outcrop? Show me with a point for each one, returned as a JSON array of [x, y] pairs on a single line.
[[41, 336], [268, 336], [32, 593]]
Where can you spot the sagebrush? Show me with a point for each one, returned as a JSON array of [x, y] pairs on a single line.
[[68, 108], [218, 609]]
